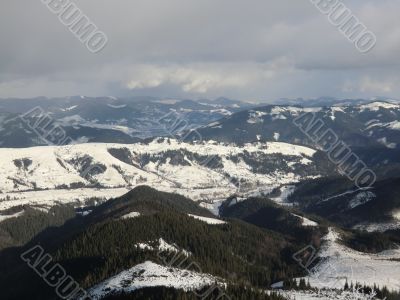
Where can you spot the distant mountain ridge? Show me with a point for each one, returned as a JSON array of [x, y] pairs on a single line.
[[106, 119], [375, 124]]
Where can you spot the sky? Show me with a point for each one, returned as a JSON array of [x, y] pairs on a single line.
[[253, 50]]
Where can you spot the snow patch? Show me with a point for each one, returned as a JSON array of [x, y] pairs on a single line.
[[131, 215], [69, 108], [16, 215], [55, 174], [360, 199], [285, 191], [211, 221], [162, 245], [149, 274], [306, 222], [384, 142], [326, 295], [84, 213], [214, 125], [378, 227], [255, 117], [377, 105]]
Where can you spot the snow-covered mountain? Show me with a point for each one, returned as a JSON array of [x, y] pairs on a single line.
[[373, 124], [105, 119], [204, 171], [261, 192]]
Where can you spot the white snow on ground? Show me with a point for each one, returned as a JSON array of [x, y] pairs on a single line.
[[278, 112], [360, 199], [375, 106], [395, 125], [222, 111], [76, 120], [334, 110], [384, 142], [214, 206], [69, 108], [50, 198], [162, 245], [286, 191], [371, 123], [306, 222], [325, 294], [84, 213], [340, 263], [378, 227], [16, 215], [214, 125], [52, 170], [149, 274], [144, 246], [211, 221], [255, 117], [131, 215]]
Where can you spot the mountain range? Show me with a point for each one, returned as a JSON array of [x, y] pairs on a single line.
[[104, 119], [152, 198]]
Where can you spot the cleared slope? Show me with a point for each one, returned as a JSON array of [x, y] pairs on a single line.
[[340, 264]]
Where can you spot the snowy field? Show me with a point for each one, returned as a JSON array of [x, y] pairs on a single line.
[[149, 274], [47, 175], [340, 263], [327, 295]]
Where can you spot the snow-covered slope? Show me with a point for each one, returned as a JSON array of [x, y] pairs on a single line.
[[327, 295], [5, 217], [208, 220], [202, 171], [306, 222], [340, 263], [149, 274], [161, 245]]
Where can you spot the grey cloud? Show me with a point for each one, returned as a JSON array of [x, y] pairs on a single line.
[[258, 49]]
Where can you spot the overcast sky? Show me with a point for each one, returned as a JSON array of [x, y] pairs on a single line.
[[249, 50]]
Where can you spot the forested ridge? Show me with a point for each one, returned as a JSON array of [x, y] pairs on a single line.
[[98, 246]]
